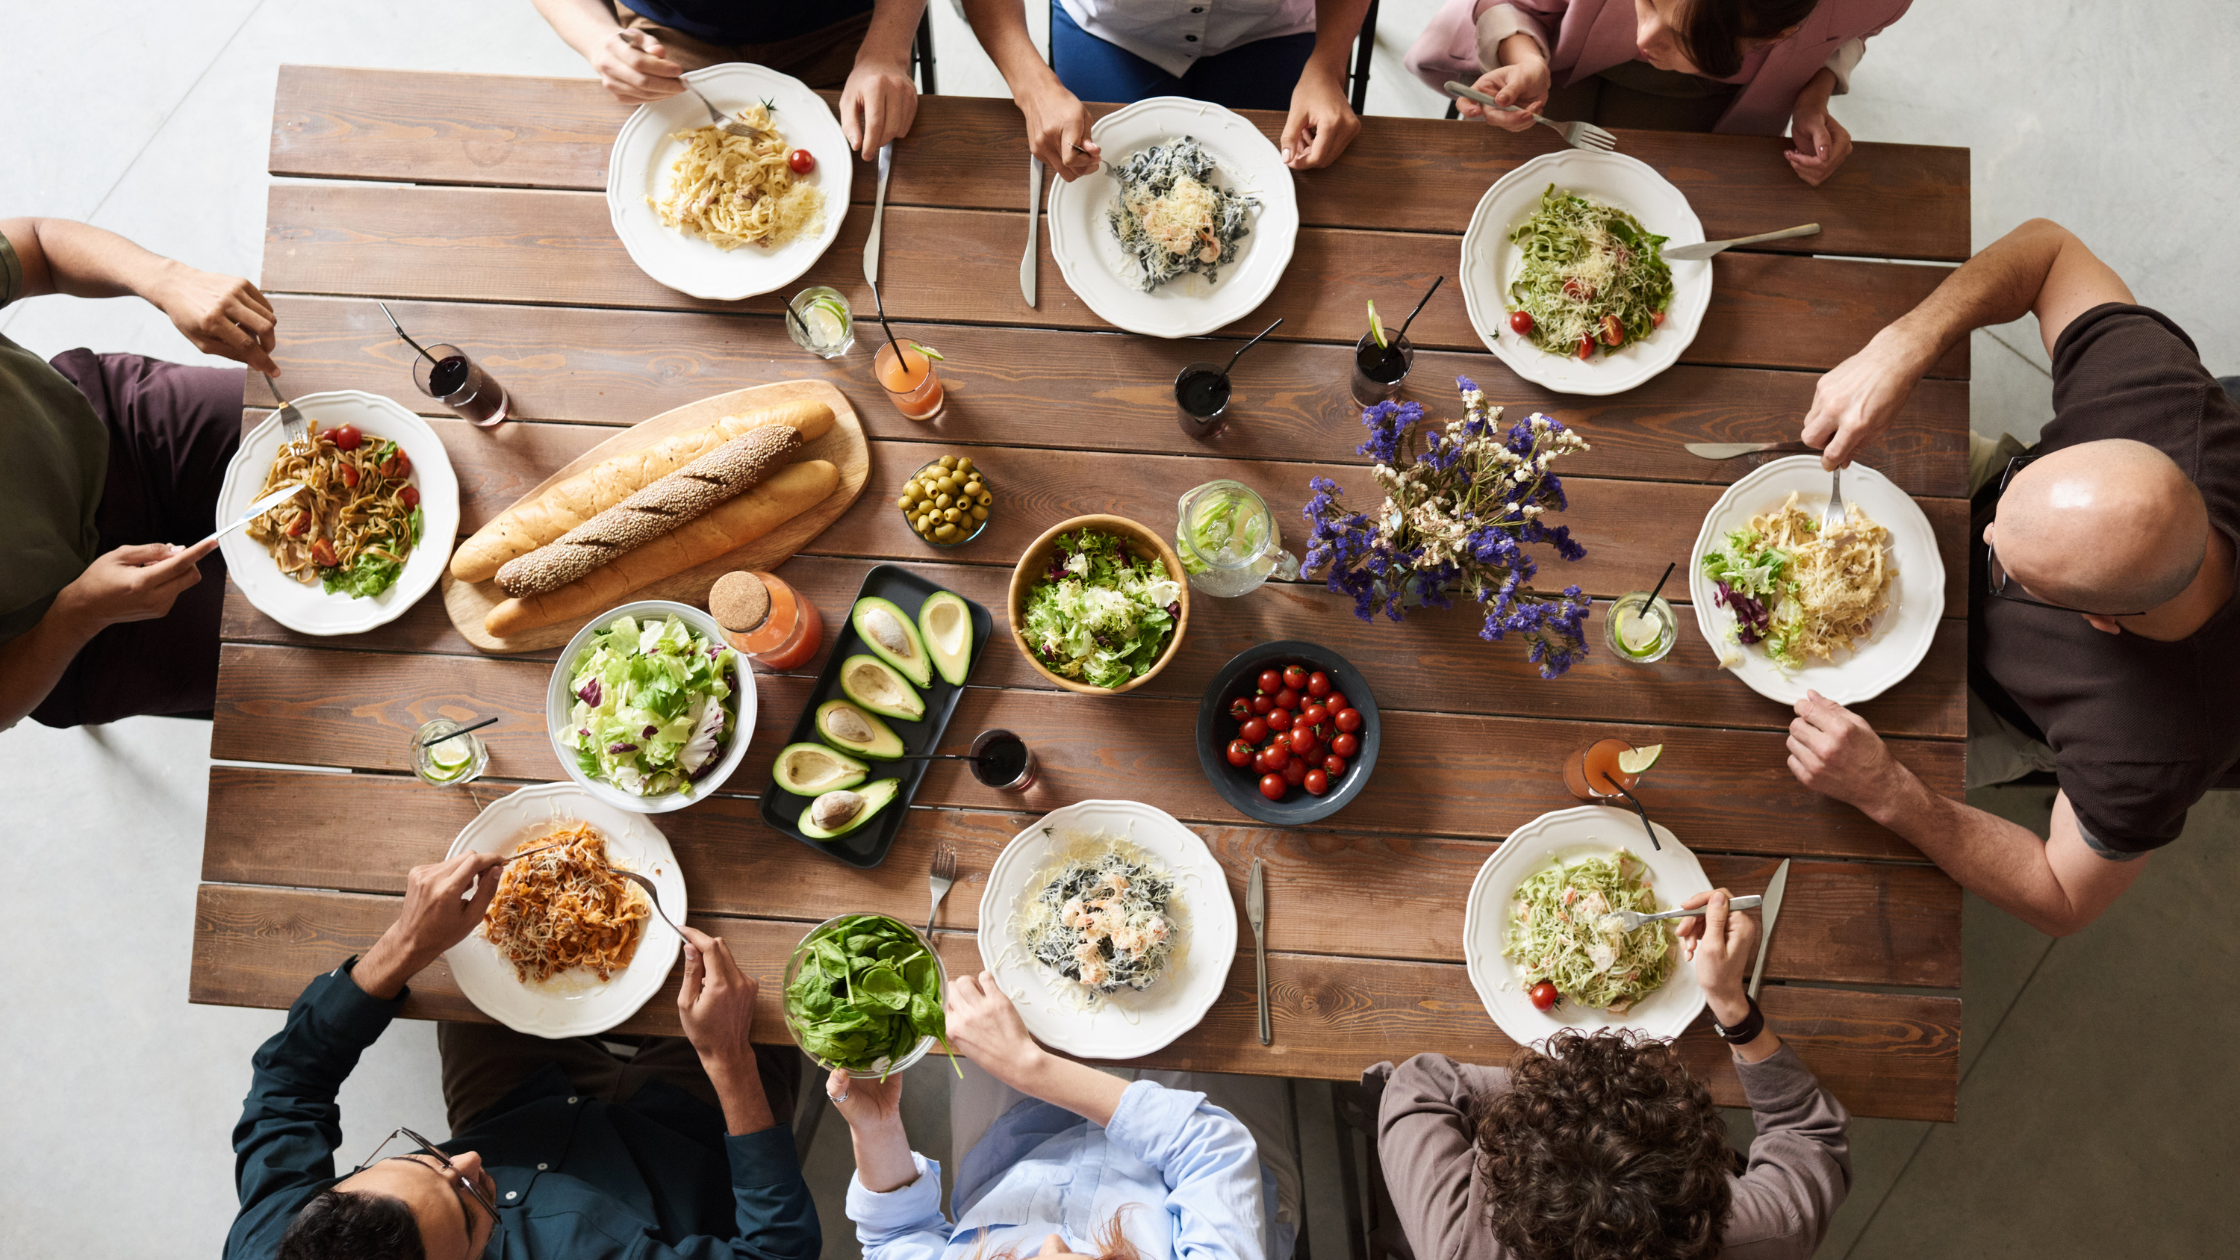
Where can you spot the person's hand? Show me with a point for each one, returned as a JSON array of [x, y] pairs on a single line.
[[1322, 122], [716, 1001], [878, 104], [219, 314], [438, 913], [1835, 753], [1857, 399], [1058, 130], [865, 1103], [1821, 143], [133, 583], [1722, 945], [1523, 83], [986, 1027], [635, 68]]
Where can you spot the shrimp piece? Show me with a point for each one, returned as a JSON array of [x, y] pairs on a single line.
[[1072, 913], [1212, 251]]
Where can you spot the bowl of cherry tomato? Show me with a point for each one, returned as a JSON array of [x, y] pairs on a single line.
[[1288, 733]]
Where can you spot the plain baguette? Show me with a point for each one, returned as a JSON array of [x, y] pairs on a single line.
[[788, 493], [663, 505], [531, 524]]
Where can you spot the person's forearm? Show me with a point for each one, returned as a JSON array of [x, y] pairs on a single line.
[[1519, 48], [1813, 96], [1336, 25], [1732, 1009], [738, 1082], [1077, 1087], [384, 970], [894, 24], [2004, 863], [883, 1160], [32, 662], [62, 256], [1997, 286], [1001, 26], [580, 24]]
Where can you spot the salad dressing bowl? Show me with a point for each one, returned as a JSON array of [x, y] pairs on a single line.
[[1145, 544], [560, 702]]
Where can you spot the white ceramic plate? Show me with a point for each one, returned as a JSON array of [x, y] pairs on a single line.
[[1902, 633], [309, 609], [1128, 1024], [573, 1003], [1587, 831], [559, 700], [1490, 261], [1089, 256], [638, 168]]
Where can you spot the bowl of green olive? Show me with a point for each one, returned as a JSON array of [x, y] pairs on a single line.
[[947, 502]]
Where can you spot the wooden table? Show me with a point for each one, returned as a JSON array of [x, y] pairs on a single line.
[[473, 205]]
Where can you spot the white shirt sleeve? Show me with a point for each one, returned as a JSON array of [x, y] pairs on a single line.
[[1844, 59], [904, 1223]]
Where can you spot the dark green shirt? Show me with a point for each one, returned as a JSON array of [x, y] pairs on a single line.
[[654, 1178], [54, 456]]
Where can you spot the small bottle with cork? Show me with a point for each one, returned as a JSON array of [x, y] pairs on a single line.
[[766, 620]]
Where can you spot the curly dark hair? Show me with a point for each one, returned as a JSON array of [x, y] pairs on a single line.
[[352, 1225], [1604, 1148]]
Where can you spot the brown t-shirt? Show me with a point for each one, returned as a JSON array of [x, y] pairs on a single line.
[[54, 459], [2139, 728]]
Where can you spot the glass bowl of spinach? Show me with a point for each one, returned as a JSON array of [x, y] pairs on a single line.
[[863, 994]]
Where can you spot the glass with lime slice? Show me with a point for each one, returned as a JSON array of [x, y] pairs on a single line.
[[821, 322], [1380, 363], [1640, 627], [447, 762]]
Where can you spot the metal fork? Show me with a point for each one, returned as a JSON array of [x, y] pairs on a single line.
[[943, 878], [291, 420], [1578, 135], [1631, 920], [1833, 519], [652, 894], [729, 125]]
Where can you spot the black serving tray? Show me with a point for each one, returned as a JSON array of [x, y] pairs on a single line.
[[867, 847]]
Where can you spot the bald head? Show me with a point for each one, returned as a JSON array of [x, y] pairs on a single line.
[[2109, 526]]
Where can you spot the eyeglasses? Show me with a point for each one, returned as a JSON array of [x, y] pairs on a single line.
[[2000, 579], [459, 1180]]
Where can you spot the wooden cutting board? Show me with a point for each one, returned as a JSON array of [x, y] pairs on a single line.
[[467, 603]]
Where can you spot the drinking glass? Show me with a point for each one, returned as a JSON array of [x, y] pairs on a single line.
[[452, 762], [1010, 764], [1641, 629], [821, 322], [1201, 395], [1374, 364], [1600, 761], [446, 374], [1229, 541], [911, 383]]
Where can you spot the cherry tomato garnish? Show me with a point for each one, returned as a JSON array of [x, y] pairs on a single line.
[[1314, 714], [801, 161], [1335, 701], [410, 496], [1318, 684], [1288, 699], [1316, 782], [322, 554], [1345, 745], [349, 474], [301, 523], [1335, 764], [1295, 772], [1302, 741], [1277, 756], [1586, 349], [1520, 323], [1295, 677], [1544, 995], [1253, 731], [1263, 705], [1657, 320], [1271, 681], [1348, 720], [1613, 332], [346, 437], [1278, 720], [1273, 787], [1240, 753], [1577, 291], [1240, 708]]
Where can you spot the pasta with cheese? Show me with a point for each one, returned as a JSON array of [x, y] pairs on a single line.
[[1171, 218], [565, 907], [736, 190]]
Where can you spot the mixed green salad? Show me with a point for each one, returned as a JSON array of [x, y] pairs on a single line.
[[1100, 613], [650, 713], [1753, 577], [867, 992]]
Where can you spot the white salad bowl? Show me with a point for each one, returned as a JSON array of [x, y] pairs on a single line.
[[560, 699]]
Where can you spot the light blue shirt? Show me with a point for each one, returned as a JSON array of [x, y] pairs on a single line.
[[1188, 1169]]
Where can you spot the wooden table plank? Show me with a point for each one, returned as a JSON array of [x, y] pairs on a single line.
[[511, 245], [1890, 201], [1882, 1054], [1414, 667], [1437, 774], [1083, 393], [1852, 923]]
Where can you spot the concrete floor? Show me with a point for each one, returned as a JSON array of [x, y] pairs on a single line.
[[2098, 1086]]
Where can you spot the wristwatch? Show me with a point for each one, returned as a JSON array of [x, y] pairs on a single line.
[[1745, 1032]]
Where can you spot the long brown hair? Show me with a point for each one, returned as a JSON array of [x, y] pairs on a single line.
[[1111, 1242]]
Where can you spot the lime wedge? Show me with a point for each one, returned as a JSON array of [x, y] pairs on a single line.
[[1376, 327], [826, 327], [451, 756], [1638, 760], [1636, 633], [929, 352]]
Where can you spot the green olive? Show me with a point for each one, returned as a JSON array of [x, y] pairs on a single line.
[[948, 461], [979, 514], [964, 465], [905, 501], [942, 500], [952, 515], [973, 488], [985, 499], [946, 533]]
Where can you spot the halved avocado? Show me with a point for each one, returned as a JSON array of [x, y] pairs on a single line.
[[877, 686], [887, 632], [832, 807], [813, 769], [859, 733], [945, 622]]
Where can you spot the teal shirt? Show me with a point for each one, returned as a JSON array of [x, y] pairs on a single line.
[[654, 1178], [54, 457]]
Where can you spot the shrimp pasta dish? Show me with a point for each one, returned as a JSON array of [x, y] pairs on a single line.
[[738, 190], [1103, 920], [564, 907], [1171, 218], [357, 522]]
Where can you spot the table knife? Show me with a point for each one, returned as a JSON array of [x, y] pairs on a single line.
[[878, 214], [257, 509], [1728, 450], [1034, 224], [1705, 249], [1770, 911], [1256, 909]]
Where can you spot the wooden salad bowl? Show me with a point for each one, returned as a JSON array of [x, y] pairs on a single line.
[[1144, 543]]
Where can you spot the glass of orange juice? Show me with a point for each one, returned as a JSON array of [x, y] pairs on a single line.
[[908, 377], [1607, 768]]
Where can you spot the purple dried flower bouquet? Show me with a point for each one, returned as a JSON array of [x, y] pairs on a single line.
[[1462, 500]]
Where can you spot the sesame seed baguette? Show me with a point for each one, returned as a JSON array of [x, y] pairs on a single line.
[[668, 502], [530, 524]]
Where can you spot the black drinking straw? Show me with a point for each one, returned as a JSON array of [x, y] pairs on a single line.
[[797, 321], [891, 343], [1419, 308], [408, 341], [462, 730], [1661, 581], [1248, 345], [1653, 842]]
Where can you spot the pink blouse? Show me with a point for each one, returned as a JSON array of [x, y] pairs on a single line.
[[1585, 37]]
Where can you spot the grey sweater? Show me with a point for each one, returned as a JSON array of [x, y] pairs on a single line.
[[1800, 1164]]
